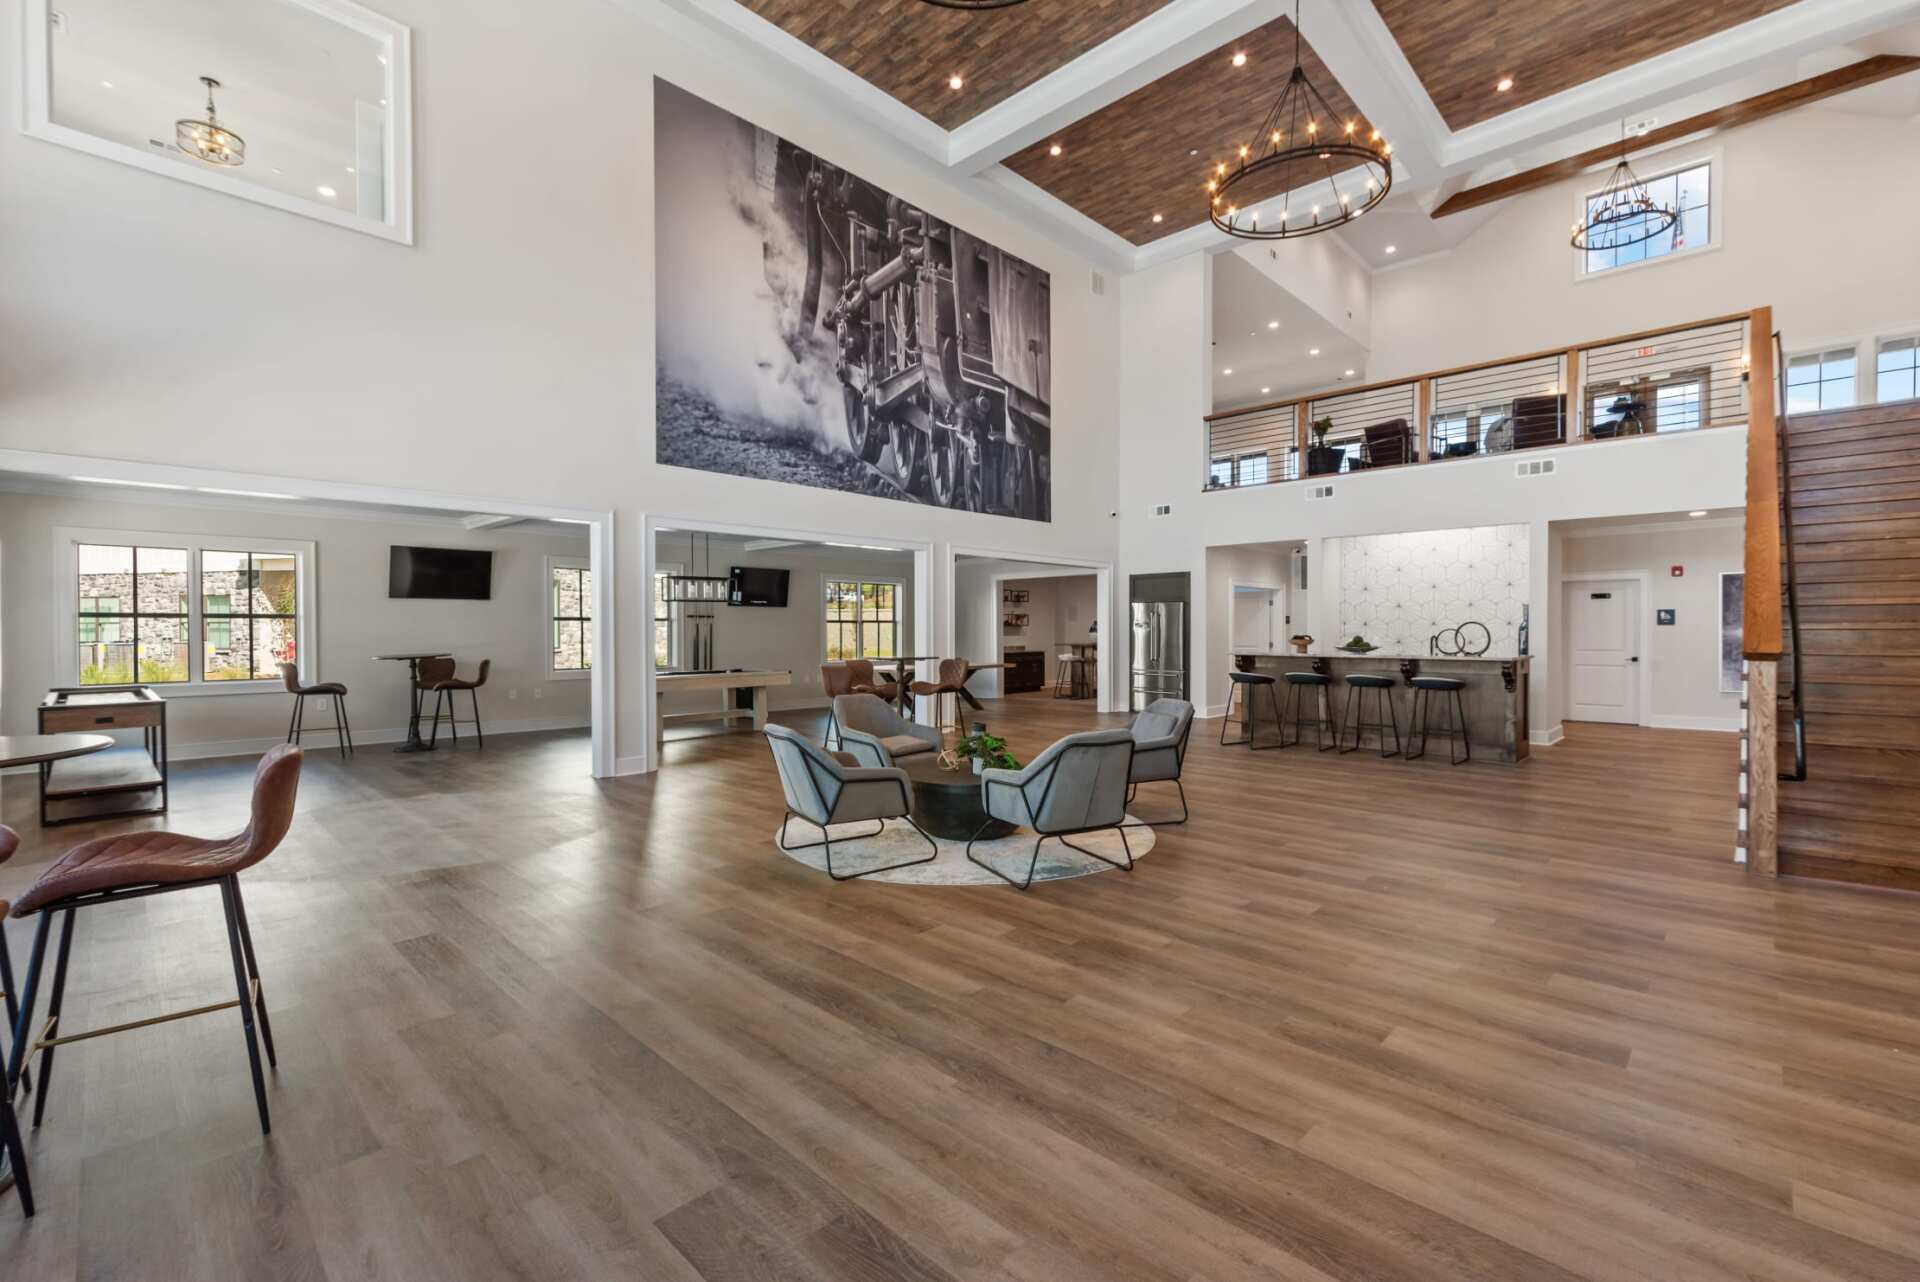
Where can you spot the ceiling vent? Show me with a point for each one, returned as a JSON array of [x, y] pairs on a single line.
[[1534, 467], [1099, 285], [1317, 492]]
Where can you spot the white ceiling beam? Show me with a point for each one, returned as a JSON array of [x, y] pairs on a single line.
[[1353, 40], [768, 545], [489, 521], [1162, 42]]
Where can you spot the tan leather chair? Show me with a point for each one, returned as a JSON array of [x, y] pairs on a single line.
[[445, 686], [865, 682], [950, 678], [137, 864], [290, 675], [10, 1142]]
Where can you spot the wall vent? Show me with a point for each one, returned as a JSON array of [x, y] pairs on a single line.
[[1099, 283], [1315, 492], [1534, 467], [1163, 509]]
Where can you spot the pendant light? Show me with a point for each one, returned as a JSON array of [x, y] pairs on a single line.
[[208, 139], [1297, 147], [693, 589], [1623, 213]]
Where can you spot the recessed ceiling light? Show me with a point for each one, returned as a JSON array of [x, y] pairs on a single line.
[[1156, 218], [277, 171], [1506, 83], [247, 494], [106, 84], [1265, 390], [349, 168], [1239, 59], [1273, 324], [954, 82], [383, 58], [1054, 150], [1392, 248], [326, 192], [113, 480], [1193, 151], [1697, 513], [1313, 351], [1348, 374], [1226, 371]]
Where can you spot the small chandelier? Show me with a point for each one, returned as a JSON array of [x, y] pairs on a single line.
[[973, 5], [208, 139], [1293, 144], [1623, 213]]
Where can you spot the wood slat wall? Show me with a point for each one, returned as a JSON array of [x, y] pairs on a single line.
[[1855, 502]]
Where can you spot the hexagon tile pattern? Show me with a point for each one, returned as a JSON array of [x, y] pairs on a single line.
[[1397, 590]]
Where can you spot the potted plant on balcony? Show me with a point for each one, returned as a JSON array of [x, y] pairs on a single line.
[[1323, 459]]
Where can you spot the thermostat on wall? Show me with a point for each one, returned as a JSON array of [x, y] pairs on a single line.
[[1664, 618]]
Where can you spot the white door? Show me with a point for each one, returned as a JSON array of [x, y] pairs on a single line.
[[1603, 650], [1257, 615]]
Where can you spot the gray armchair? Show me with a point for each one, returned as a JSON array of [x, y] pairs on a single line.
[[1077, 785], [877, 735], [1160, 749], [823, 791]]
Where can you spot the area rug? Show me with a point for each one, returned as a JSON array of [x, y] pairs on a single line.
[[852, 853]]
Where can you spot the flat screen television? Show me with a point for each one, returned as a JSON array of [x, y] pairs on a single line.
[[751, 585], [442, 574]]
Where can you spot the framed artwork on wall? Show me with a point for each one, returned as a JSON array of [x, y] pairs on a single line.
[[1733, 605]]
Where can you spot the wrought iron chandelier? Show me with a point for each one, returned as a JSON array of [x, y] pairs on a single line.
[[1623, 213], [208, 139], [1301, 144], [973, 4]]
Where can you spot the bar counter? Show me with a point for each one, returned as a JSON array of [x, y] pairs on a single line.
[[1495, 695]]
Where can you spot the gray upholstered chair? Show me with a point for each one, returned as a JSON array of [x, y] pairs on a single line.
[[1160, 749], [822, 790], [876, 734], [1077, 785]]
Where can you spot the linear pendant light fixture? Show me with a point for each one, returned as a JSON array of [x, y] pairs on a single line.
[[1298, 144], [208, 139], [981, 5], [689, 589]]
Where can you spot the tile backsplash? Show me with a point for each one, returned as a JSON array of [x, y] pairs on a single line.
[[1397, 590]]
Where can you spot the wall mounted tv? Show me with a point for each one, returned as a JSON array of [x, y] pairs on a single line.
[[751, 585], [443, 574]]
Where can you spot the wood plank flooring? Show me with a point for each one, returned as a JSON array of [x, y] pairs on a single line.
[[1360, 1019]]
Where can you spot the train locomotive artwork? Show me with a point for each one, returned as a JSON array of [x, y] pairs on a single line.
[[917, 356]]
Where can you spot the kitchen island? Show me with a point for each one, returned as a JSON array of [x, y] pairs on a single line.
[[1495, 696]]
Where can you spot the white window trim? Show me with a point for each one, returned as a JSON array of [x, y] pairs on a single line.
[[1871, 347], [1863, 347], [546, 611], [676, 637], [1715, 161], [66, 612], [854, 576]]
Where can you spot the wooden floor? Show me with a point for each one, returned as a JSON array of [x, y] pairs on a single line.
[[1360, 1019]]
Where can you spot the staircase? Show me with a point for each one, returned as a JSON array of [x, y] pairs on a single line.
[[1851, 512]]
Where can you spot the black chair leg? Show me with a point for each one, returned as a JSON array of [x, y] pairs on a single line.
[[54, 1002], [246, 1004], [833, 728], [1350, 722], [340, 725], [253, 973], [17, 1053], [480, 736], [16, 1150], [1417, 725], [1393, 720], [1226, 717], [1460, 721], [1032, 864], [434, 739], [299, 717], [1111, 863], [293, 718], [11, 997]]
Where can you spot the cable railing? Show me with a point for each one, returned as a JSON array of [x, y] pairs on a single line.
[[1684, 377]]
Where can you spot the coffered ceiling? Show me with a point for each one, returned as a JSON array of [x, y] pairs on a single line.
[[1462, 51], [911, 50], [1151, 152]]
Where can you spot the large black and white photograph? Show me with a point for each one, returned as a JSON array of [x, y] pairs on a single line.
[[815, 329]]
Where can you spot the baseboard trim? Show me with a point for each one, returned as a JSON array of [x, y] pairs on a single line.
[[1548, 737], [1725, 724], [213, 748], [629, 766]]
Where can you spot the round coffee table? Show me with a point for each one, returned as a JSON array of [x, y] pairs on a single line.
[[947, 802]]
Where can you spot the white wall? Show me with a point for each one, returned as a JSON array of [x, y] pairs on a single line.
[[1685, 658], [1399, 590], [1212, 616], [510, 353], [356, 620], [1321, 272], [1809, 200]]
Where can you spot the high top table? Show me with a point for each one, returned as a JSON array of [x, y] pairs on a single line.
[[412, 659]]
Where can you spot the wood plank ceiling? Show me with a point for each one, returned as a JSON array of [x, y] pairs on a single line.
[[910, 50], [1461, 51], [1150, 152]]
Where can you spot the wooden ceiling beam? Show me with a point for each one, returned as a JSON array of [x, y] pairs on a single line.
[[1854, 76]]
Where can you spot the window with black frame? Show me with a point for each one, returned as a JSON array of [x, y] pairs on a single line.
[[132, 622], [570, 611], [249, 614]]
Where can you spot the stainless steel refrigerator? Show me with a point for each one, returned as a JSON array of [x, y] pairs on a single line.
[[1159, 665]]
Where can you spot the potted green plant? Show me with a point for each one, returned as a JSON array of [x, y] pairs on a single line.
[[987, 752], [1323, 459], [1359, 645]]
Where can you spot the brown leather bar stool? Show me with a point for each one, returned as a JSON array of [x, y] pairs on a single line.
[[863, 681], [290, 674], [438, 676], [10, 1142], [137, 864], [952, 675]]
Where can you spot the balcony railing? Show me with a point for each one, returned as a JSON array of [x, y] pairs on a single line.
[[1682, 378]]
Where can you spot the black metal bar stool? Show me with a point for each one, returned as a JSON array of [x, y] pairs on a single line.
[[1358, 684], [1247, 686], [1420, 720], [1298, 684]]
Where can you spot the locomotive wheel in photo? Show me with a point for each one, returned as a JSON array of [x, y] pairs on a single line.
[[947, 468], [1021, 486], [863, 438], [909, 456]]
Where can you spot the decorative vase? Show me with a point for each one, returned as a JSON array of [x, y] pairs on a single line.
[[979, 766]]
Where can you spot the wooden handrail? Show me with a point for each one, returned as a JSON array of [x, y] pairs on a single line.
[[1762, 635], [1633, 337]]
